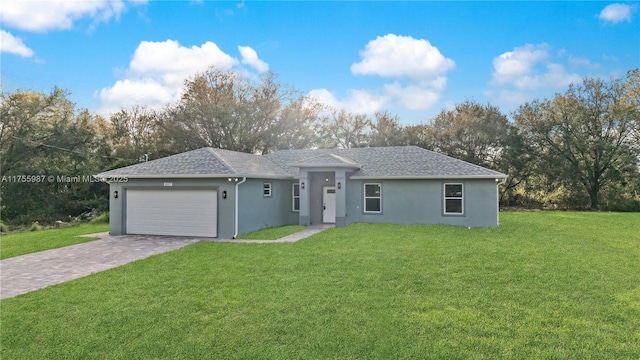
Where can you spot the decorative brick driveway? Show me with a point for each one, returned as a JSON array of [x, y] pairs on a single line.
[[21, 274]]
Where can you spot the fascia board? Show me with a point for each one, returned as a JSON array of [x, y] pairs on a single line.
[[195, 176], [433, 177]]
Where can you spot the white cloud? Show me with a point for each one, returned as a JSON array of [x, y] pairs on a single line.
[[358, 101], [171, 62], [412, 97], [510, 97], [529, 67], [57, 14], [367, 101], [250, 57], [583, 62], [554, 76], [415, 61], [616, 13], [157, 71], [510, 66], [127, 93], [531, 71], [401, 56], [13, 45]]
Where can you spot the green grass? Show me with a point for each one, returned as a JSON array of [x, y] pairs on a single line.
[[543, 286], [273, 233], [29, 242]]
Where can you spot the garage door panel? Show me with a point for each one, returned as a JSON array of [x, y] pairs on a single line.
[[172, 212]]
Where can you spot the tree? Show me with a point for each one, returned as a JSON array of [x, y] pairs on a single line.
[[224, 110], [585, 139], [386, 130], [345, 130], [298, 126], [418, 135], [28, 120], [132, 134], [471, 132], [41, 135]]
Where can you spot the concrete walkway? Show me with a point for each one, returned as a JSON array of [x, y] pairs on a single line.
[[25, 273], [287, 239]]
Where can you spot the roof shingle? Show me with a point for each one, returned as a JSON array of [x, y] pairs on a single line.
[[376, 162]]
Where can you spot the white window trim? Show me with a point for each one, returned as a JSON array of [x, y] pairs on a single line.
[[293, 197], [445, 198], [266, 186], [365, 197]]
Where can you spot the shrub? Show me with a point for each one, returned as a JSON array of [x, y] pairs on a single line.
[[4, 228], [101, 219], [628, 205], [35, 226]]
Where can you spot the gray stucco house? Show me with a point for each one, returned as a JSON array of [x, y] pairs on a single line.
[[220, 193]]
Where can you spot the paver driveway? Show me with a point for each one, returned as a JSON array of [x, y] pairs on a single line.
[[21, 274]]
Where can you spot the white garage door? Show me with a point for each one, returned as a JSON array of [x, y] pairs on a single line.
[[172, 212]]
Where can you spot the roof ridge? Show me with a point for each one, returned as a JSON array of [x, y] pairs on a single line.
[[214, 153], [268, 158], [343, 159], [464, 161], [261, 158]]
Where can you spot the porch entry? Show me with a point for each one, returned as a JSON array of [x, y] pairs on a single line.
[[329, 205]]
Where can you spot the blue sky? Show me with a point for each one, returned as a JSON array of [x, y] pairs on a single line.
[[410, 58]]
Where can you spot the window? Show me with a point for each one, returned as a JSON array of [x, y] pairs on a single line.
[[296, 197], [453, 196], [266, 189], [372, 198]]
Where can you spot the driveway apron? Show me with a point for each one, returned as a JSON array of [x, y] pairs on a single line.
[[25, 273]]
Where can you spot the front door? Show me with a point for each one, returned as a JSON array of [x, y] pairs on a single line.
[[329, 205]]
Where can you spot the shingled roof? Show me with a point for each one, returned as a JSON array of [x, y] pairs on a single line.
[[367, 163]]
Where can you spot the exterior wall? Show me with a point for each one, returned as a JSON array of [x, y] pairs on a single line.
[[317, 182], [311, 204], [117, 207], [422, 202], [255, 211], [403, 202]]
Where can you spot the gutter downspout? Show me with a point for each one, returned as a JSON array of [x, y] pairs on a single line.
[[498, 199], [235, 233]]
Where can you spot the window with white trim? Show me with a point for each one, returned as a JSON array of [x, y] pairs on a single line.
[[373, 198], [454, 199], [266, 189], [295, 190]]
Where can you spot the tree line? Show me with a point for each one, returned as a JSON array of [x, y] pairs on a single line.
[[579, 149]]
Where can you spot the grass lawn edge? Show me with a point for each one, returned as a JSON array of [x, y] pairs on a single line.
[[18, 244], [274, 233]]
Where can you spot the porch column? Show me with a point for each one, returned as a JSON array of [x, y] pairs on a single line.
[[305, 207], [341, 198]]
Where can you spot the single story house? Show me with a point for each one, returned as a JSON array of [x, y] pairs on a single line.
[[220, 193]]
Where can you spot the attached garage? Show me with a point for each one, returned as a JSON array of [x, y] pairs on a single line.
[[178, 212]]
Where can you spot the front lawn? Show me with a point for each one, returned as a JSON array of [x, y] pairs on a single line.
[[28, 242], [273, 233], [549, 285]]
